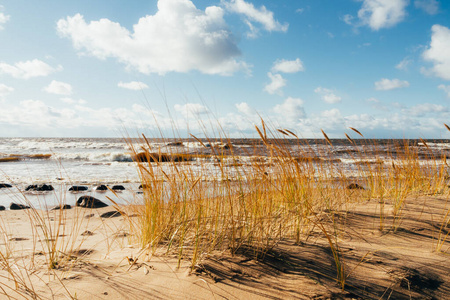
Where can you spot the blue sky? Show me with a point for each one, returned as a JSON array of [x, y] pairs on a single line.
[[98, 68]]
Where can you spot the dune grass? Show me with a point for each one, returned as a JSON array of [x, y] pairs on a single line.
[[194, 204], [279, 196]]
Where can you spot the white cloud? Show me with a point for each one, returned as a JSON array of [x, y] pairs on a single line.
[[177, 38], [404, 64], [244, 108], [73, 101], [288, 66], [378, 14], [375, 103], [5, 90], [28, 69], [192, 109], [390, 84], [328, 95], [299, 10], [291, 109], [348, 19], [133, 85], [431, 7], [59, 88], [421, 110], [276, 84], [3, 18], [446, 89], [261, 15], [438, 53]]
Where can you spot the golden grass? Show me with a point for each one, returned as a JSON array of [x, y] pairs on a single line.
[[274, 198]]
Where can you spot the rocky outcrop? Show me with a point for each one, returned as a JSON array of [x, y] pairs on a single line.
[[17, 206], [39, 188], [59, 207], [102, 188], [78, 188], [90, 202], [111, 214], [118, 188], [5, 185], [355, 186], [2, 207]]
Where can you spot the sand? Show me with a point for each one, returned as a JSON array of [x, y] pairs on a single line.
[[98, 258]]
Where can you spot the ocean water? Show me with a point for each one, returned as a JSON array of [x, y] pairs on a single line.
[[64, 162]]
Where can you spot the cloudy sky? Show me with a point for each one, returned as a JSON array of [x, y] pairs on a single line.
[[100, 68]]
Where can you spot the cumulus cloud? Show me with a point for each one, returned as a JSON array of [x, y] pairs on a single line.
[[276, 84], [431, 7], [5, 90], [28, 69], [244, 108], [438, 53], [177, 38], [261, 15], [192, 109], [446, 89], [390, 84], [378, 14], [59, 88], [291, 109], [404, 64], [133, 85], [421, 110], [328, 95], [288, 66]]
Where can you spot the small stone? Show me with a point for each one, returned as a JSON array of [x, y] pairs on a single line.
[[17, 206], [110, 214]]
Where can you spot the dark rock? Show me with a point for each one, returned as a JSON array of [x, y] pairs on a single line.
[[118, 188], [5, 185], [87, 233], [17, 206], [175, 144], [78, 188], [111, 214], [90, 202], [101, 188], [355, 186], [40, 187], [65, 206], [144, 186], [89, 216], [225, 146], [2, 207]]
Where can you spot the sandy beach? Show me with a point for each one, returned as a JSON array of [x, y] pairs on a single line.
[[99, 258]]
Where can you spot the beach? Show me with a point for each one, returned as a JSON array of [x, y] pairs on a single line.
[[99, 259], [271, 221]]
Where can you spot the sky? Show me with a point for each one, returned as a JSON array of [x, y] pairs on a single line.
[[109, 68]]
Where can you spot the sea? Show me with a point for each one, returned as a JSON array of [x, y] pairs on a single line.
[[64, 162]]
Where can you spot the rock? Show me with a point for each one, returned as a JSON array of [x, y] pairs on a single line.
[[40, 188], [5, 185], [90, 202], [111, 214], [87, 233], [17, 206], [59, 207], [226, 146], [355, 186], [78, 188], [144, 186], [2, 207], [118, 188], [101, 188], [175, 144]]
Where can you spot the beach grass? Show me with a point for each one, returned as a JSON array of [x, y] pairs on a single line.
[[251, 205]]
